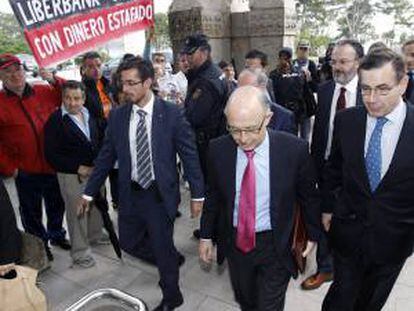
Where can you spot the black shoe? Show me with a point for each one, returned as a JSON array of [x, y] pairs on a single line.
[[196, 234], [178, 214], [163, 307], [63, 244], [49, 253]]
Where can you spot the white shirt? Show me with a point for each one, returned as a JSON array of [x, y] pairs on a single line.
[[148, 108], [182, 82], [390, 134], [350, 99]]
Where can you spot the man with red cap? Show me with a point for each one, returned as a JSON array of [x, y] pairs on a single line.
[[24, 109]]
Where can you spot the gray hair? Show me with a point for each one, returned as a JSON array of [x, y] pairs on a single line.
[[259, 75]]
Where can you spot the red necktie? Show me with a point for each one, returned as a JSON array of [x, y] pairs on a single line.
[[341, 103], [246, 223]]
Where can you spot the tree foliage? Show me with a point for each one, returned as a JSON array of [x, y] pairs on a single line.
[[323, 21], [11, 35]]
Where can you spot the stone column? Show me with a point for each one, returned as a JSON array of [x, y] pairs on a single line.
[[268, 26], [211, 18]]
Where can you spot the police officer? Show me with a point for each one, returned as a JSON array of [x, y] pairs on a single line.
[[206, 96]]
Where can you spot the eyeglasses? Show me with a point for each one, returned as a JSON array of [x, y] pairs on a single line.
[[341, 62], [129, 83], [248, 130], [382, 90]]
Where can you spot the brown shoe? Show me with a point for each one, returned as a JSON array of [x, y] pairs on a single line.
[[316, 280]]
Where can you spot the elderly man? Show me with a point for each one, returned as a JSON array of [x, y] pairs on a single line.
[[24, 109], [369, 180], [72, 142], [282, 118], [256, 177]]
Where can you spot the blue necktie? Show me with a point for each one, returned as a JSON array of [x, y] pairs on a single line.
[[373, 156], [144, 163]]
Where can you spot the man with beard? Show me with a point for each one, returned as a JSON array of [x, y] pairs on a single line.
[[145, 135], [334, 95]]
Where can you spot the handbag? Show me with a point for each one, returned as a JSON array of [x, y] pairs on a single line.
[[299, 239], [21, 292]]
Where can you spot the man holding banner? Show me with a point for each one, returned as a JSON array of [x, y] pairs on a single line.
[[24, 109]]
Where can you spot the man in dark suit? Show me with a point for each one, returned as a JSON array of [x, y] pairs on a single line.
[[369, 182], [408, 51], [145, 135], [334, 95], [282, 118], [256, 177], [72, 142]]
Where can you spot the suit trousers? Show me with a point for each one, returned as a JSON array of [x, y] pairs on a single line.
[[147, 226], [31, 189], [360, 284], [323, 255], [259, 278], [81, 230]]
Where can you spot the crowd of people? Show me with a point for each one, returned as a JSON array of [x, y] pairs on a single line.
[[247, 147]]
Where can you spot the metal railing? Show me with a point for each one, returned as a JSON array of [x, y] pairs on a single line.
[[109, 293]]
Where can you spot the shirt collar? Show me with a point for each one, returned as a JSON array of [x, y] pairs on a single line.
[[351, 86], [148, 108], [84, 111], [396, 114], [262, 148]]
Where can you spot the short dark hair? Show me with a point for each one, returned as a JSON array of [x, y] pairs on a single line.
[[157, 54], [223, 64], [380, 57], [90, 55], [73, 85], [409, 42], [358, 48], [144, 67], [257, 54], [379, 45]]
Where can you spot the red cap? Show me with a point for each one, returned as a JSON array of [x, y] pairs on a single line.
[[7, 60]]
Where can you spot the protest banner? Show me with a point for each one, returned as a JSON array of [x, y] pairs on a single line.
[[57, 30]]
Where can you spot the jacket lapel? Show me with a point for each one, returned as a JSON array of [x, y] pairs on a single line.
[[124, 121], [229, 160], [277, 171], [404, 147], [71, 125], [357, 141], [157, 130]]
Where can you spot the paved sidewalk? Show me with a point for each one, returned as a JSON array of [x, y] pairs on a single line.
[[203, 291]]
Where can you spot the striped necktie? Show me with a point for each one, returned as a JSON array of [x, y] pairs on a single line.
[[144, 163]]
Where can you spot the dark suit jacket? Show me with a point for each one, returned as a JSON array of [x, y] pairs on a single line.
[[66, 147], [292, 179], [10, 238], [171, 134], [409, 94], [380, 223], [282, 119], [321, 125]]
